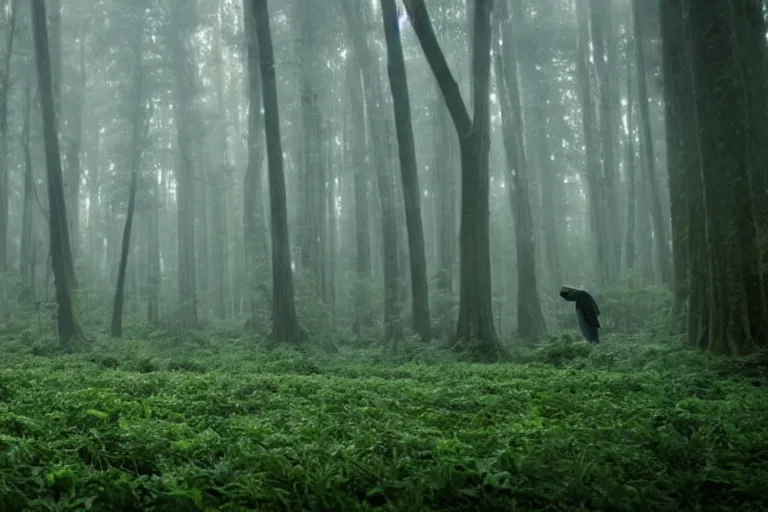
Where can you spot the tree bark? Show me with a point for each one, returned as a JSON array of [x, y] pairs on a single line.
[[57, 216], [663, 254], [26, 250], [137, 135], [475, 327], [285, 324], [530, 318], [377, 136], [5, 85], [593, 174], [601, 29], [409, 173], [737, 302], [185, 79], [361, 184]]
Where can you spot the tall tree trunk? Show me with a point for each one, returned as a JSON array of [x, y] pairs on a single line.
[[530, 318], [663, 254], [137, 136], [57, 213], [74, 138], [475, 326], [185, 79], [5, 84], [285, 324], [550, 180], [311, 186], [254, 222], [409, 172], [596, 199], [361, 183], [678, 107], [153, 251], [219, 188], [95, 212], [737, 302], [54, 24], [26, 259], [601, 31], [357, 21], [630, 232], [445, 176]]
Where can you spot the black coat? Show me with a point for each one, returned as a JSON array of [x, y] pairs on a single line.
[[587, 312]]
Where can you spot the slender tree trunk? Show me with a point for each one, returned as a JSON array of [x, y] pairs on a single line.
[[445, 177], [631, 170], [357, 21], [285, 324], [137, 130], [26, 259], [549, 184], [361, 185], [311, 186], [153, 253], [663, 254], [678, 105], [530, 318], [409, 172], [59, 232], [5, 84], [219, 188], [185, 80], [596, 200], [74, 137], [601, 30], [255, 233]]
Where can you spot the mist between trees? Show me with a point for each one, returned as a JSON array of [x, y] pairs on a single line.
[[370, 171]]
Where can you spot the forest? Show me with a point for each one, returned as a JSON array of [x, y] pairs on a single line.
[[399, 255]]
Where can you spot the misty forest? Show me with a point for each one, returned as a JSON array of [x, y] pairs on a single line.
[[405, 255]]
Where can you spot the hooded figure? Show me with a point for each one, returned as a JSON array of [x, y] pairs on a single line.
[[586, 312]]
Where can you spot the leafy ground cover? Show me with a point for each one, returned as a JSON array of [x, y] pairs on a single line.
[[190, 425]]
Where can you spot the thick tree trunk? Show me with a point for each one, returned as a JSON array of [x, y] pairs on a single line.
[[737, 302], [57, 216], [409, 173], [285, 324]]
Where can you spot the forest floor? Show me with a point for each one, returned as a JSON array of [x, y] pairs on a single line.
[[216, 423]]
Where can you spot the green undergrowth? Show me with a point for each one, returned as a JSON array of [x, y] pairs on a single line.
[[220, 423]]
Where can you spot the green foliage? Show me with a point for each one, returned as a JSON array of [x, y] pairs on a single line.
[[222, 422], [627, 310]]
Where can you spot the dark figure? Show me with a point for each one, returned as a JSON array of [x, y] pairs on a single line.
[[586, 312]]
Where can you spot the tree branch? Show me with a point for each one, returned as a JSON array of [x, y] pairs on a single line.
[[422, 26]]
